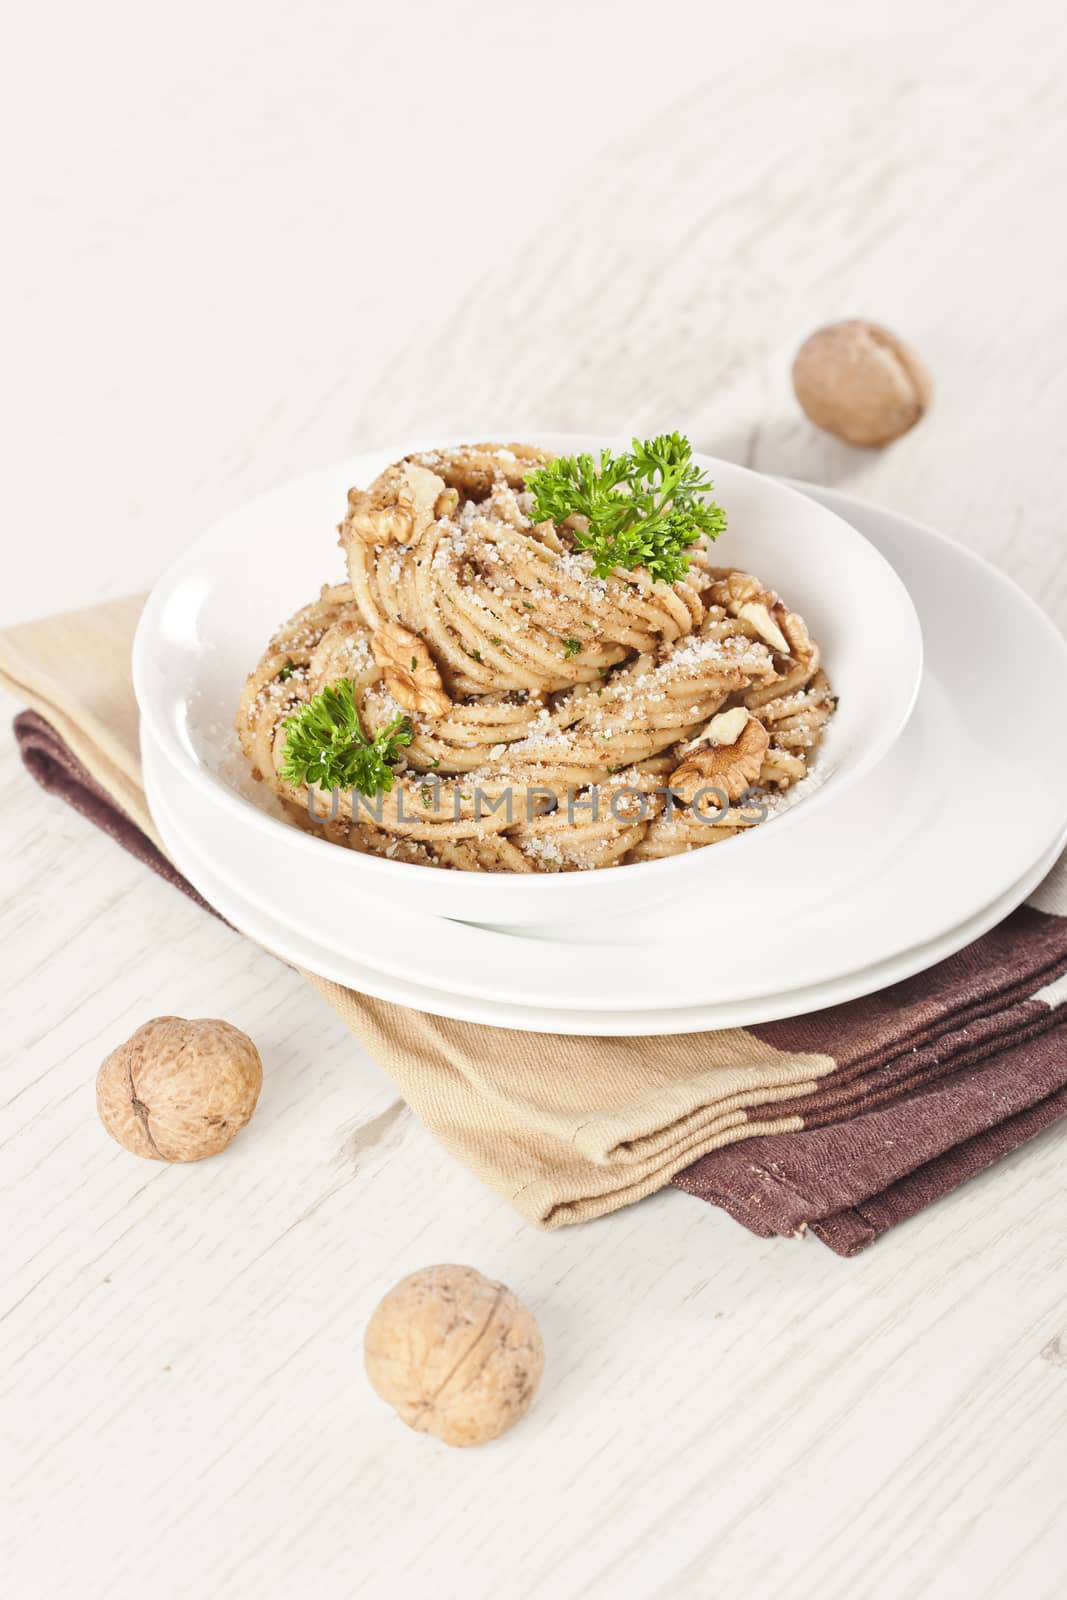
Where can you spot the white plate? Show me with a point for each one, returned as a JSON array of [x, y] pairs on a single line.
[[209, 616], [305, 952], [914, 852]]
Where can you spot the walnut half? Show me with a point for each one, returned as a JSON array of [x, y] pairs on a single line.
[[727, 756], [410, 674]]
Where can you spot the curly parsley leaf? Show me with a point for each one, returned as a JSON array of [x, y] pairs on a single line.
[[325, 745], [643, 508]]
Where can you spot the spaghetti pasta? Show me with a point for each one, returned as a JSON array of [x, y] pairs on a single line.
[[552, 712]]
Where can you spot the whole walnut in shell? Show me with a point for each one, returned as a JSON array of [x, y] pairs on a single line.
[[179, 1090], [455, 1354], [859, 381]]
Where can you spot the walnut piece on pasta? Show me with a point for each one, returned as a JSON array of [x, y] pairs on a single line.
[[745, 598], [411, 676], [727, 757], [475, 469], [399, 506]]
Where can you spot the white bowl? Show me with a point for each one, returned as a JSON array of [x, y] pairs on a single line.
[[208, 618]]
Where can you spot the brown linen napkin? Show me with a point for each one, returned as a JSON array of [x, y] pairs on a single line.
[[567, 1128]]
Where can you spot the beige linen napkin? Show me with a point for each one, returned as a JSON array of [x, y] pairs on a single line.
[[563, 1128]]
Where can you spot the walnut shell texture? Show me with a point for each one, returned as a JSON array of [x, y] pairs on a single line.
[[454, 1354], [861, 382], [179, 1090]]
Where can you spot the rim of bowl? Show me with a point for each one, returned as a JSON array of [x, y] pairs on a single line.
[[385, 871]]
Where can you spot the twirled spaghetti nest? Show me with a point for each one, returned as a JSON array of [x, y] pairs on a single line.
[[559, 720]]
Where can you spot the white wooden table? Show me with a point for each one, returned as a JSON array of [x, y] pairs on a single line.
[[243, 241]]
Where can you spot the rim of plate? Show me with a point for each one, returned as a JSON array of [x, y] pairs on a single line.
[[381, 873], [255, 924], [473, 941]]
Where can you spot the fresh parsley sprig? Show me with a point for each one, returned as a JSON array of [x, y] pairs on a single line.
[[325, 745], [643, 508]]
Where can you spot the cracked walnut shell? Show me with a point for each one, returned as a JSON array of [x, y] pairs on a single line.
[[178, 1089], [454, 1354], [409, 670]]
